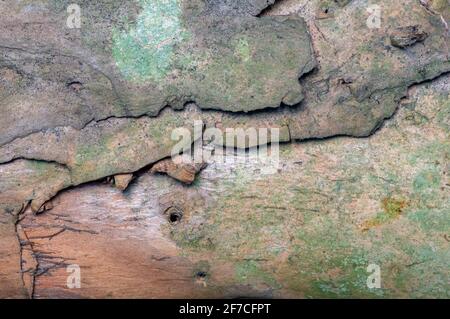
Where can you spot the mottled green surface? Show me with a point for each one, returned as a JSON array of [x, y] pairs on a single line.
[[136, 57], [146, 51], [312, 229], [336, 205]]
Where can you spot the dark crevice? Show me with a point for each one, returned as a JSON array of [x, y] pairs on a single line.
[[22, 242], [22, 158], [75, 86], [269, 8]]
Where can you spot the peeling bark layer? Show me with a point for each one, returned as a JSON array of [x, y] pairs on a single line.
[[81, 105]]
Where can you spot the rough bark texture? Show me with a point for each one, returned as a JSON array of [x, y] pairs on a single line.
[[82, 106]]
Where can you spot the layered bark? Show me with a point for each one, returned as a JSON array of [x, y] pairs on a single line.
[[82, 105]]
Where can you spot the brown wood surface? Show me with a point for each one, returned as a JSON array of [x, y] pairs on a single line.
[[121, 253]]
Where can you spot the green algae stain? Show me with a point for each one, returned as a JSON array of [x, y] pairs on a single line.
[[325, 262], [443, 116], [38, 166], [146, 50], [90, 153], [350, 282], [242, 49], [251, 271], [431, 151], [431, 220], [426, 273], [426, 180]]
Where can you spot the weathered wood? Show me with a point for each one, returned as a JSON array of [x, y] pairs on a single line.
[[310, 227], [11, 285], [116, 241]]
